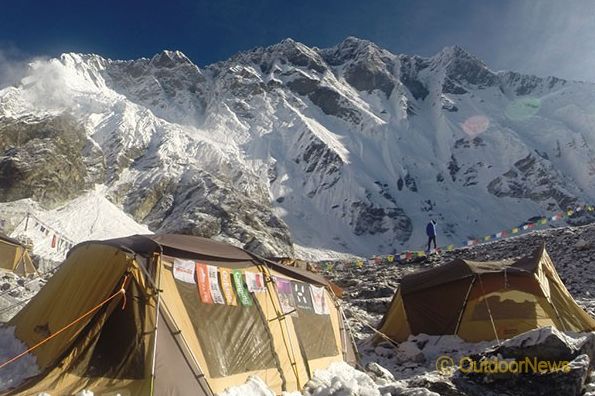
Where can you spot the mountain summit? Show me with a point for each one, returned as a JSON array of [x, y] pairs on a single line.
[[290, 149]]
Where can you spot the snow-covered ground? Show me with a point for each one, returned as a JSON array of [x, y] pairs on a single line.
[[23, 368]]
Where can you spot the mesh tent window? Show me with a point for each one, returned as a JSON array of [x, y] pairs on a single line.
[[234, 339]]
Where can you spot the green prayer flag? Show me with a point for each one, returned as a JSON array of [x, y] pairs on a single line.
[[241, 290]]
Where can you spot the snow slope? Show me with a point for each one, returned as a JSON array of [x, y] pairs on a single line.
[[88, 217]]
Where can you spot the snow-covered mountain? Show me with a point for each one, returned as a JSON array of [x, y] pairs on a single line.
[[295, 149]]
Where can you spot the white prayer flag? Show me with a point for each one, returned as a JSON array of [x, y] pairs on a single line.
[[214, 283], [255, 282], [184, 270], [318, 300]]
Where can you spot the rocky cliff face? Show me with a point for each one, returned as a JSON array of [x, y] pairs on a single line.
[[44, 160], [349, 149]]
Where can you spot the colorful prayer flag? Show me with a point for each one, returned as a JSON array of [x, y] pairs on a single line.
[[216, 294], [241, 290], [255, 282], [390, 259], [227, 287], [202, 281], [285, 293]]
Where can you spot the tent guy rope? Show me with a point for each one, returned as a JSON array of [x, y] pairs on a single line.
[[121, 291]]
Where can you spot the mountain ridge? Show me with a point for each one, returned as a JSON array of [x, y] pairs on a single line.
[[348, 149]]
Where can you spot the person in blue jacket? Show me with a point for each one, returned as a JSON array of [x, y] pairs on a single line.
[[431, 233]]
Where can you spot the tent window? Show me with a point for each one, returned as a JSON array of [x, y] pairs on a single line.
[[316, 335], [234, 340]]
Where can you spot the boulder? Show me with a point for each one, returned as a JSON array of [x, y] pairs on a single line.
[[565, 365], [547, 344]]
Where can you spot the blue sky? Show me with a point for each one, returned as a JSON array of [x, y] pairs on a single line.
[[544, 37]]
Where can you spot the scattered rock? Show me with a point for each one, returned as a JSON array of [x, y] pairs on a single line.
[[379, 374], [582, 245]]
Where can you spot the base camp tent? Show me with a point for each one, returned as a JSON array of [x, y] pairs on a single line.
[[177, 315], [14, 257], [483, 301]]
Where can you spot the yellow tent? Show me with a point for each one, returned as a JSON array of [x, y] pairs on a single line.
[[177, 315], [14, 257], [483, 301]]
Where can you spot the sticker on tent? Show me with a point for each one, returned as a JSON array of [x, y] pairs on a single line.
[[202, 280], [241, 290], [318, 300], [184, 270], [302, 296], [216, 294], [227, 287], [285, 294]]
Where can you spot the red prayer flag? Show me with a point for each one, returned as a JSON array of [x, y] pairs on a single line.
[[202, 281]]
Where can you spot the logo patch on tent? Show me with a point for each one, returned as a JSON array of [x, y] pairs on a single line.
[[184, 270], [214, 285], [241, 290], [301, 295], [202, 280], [285, 295], [227, 287], [318, 300]]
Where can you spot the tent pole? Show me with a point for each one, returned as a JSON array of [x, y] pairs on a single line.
[[345, 331], [489, 310], [157, 258], [464, 306], [184, 348], [282, 316]]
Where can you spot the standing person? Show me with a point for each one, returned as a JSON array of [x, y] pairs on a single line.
[[431, 232]]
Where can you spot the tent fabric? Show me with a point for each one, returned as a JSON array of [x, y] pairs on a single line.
[[483, 300], [161, 338], [15, 257]]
